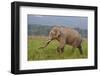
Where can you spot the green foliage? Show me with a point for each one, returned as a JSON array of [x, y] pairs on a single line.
[[50, 52]]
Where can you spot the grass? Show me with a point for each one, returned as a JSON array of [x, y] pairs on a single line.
[[50, 52]]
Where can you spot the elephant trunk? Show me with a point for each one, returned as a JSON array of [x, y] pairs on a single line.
[[50, 38], [47, 43]]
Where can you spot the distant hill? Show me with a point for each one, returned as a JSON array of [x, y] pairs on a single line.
[[43, 30]]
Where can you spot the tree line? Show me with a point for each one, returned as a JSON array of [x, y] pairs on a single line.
[[43, 30]]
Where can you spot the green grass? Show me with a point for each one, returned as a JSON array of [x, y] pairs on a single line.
[[50, 52]]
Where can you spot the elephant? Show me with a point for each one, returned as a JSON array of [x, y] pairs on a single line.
[[65, 36]]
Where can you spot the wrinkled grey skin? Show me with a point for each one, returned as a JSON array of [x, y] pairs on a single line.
[[65, 35]]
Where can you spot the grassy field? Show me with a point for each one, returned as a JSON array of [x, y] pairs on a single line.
[[50, 53]]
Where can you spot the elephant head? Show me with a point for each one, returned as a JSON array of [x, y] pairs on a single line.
[[54, 33]]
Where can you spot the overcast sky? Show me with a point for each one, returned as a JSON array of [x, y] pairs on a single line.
[[69, 21]]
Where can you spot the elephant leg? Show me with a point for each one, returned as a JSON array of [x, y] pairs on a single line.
[[80, 49], [60, 49]]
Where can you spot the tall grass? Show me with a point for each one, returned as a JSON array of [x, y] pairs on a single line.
[[50, 52]]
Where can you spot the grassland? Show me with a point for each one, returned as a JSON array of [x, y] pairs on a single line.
[[50, 53]]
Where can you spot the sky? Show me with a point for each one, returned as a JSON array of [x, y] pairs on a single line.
[[69, 21]]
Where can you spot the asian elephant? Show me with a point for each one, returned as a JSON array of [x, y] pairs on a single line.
[[65, 35]]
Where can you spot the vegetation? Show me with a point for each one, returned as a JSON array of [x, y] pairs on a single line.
[[43, 30], [50, 52]]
